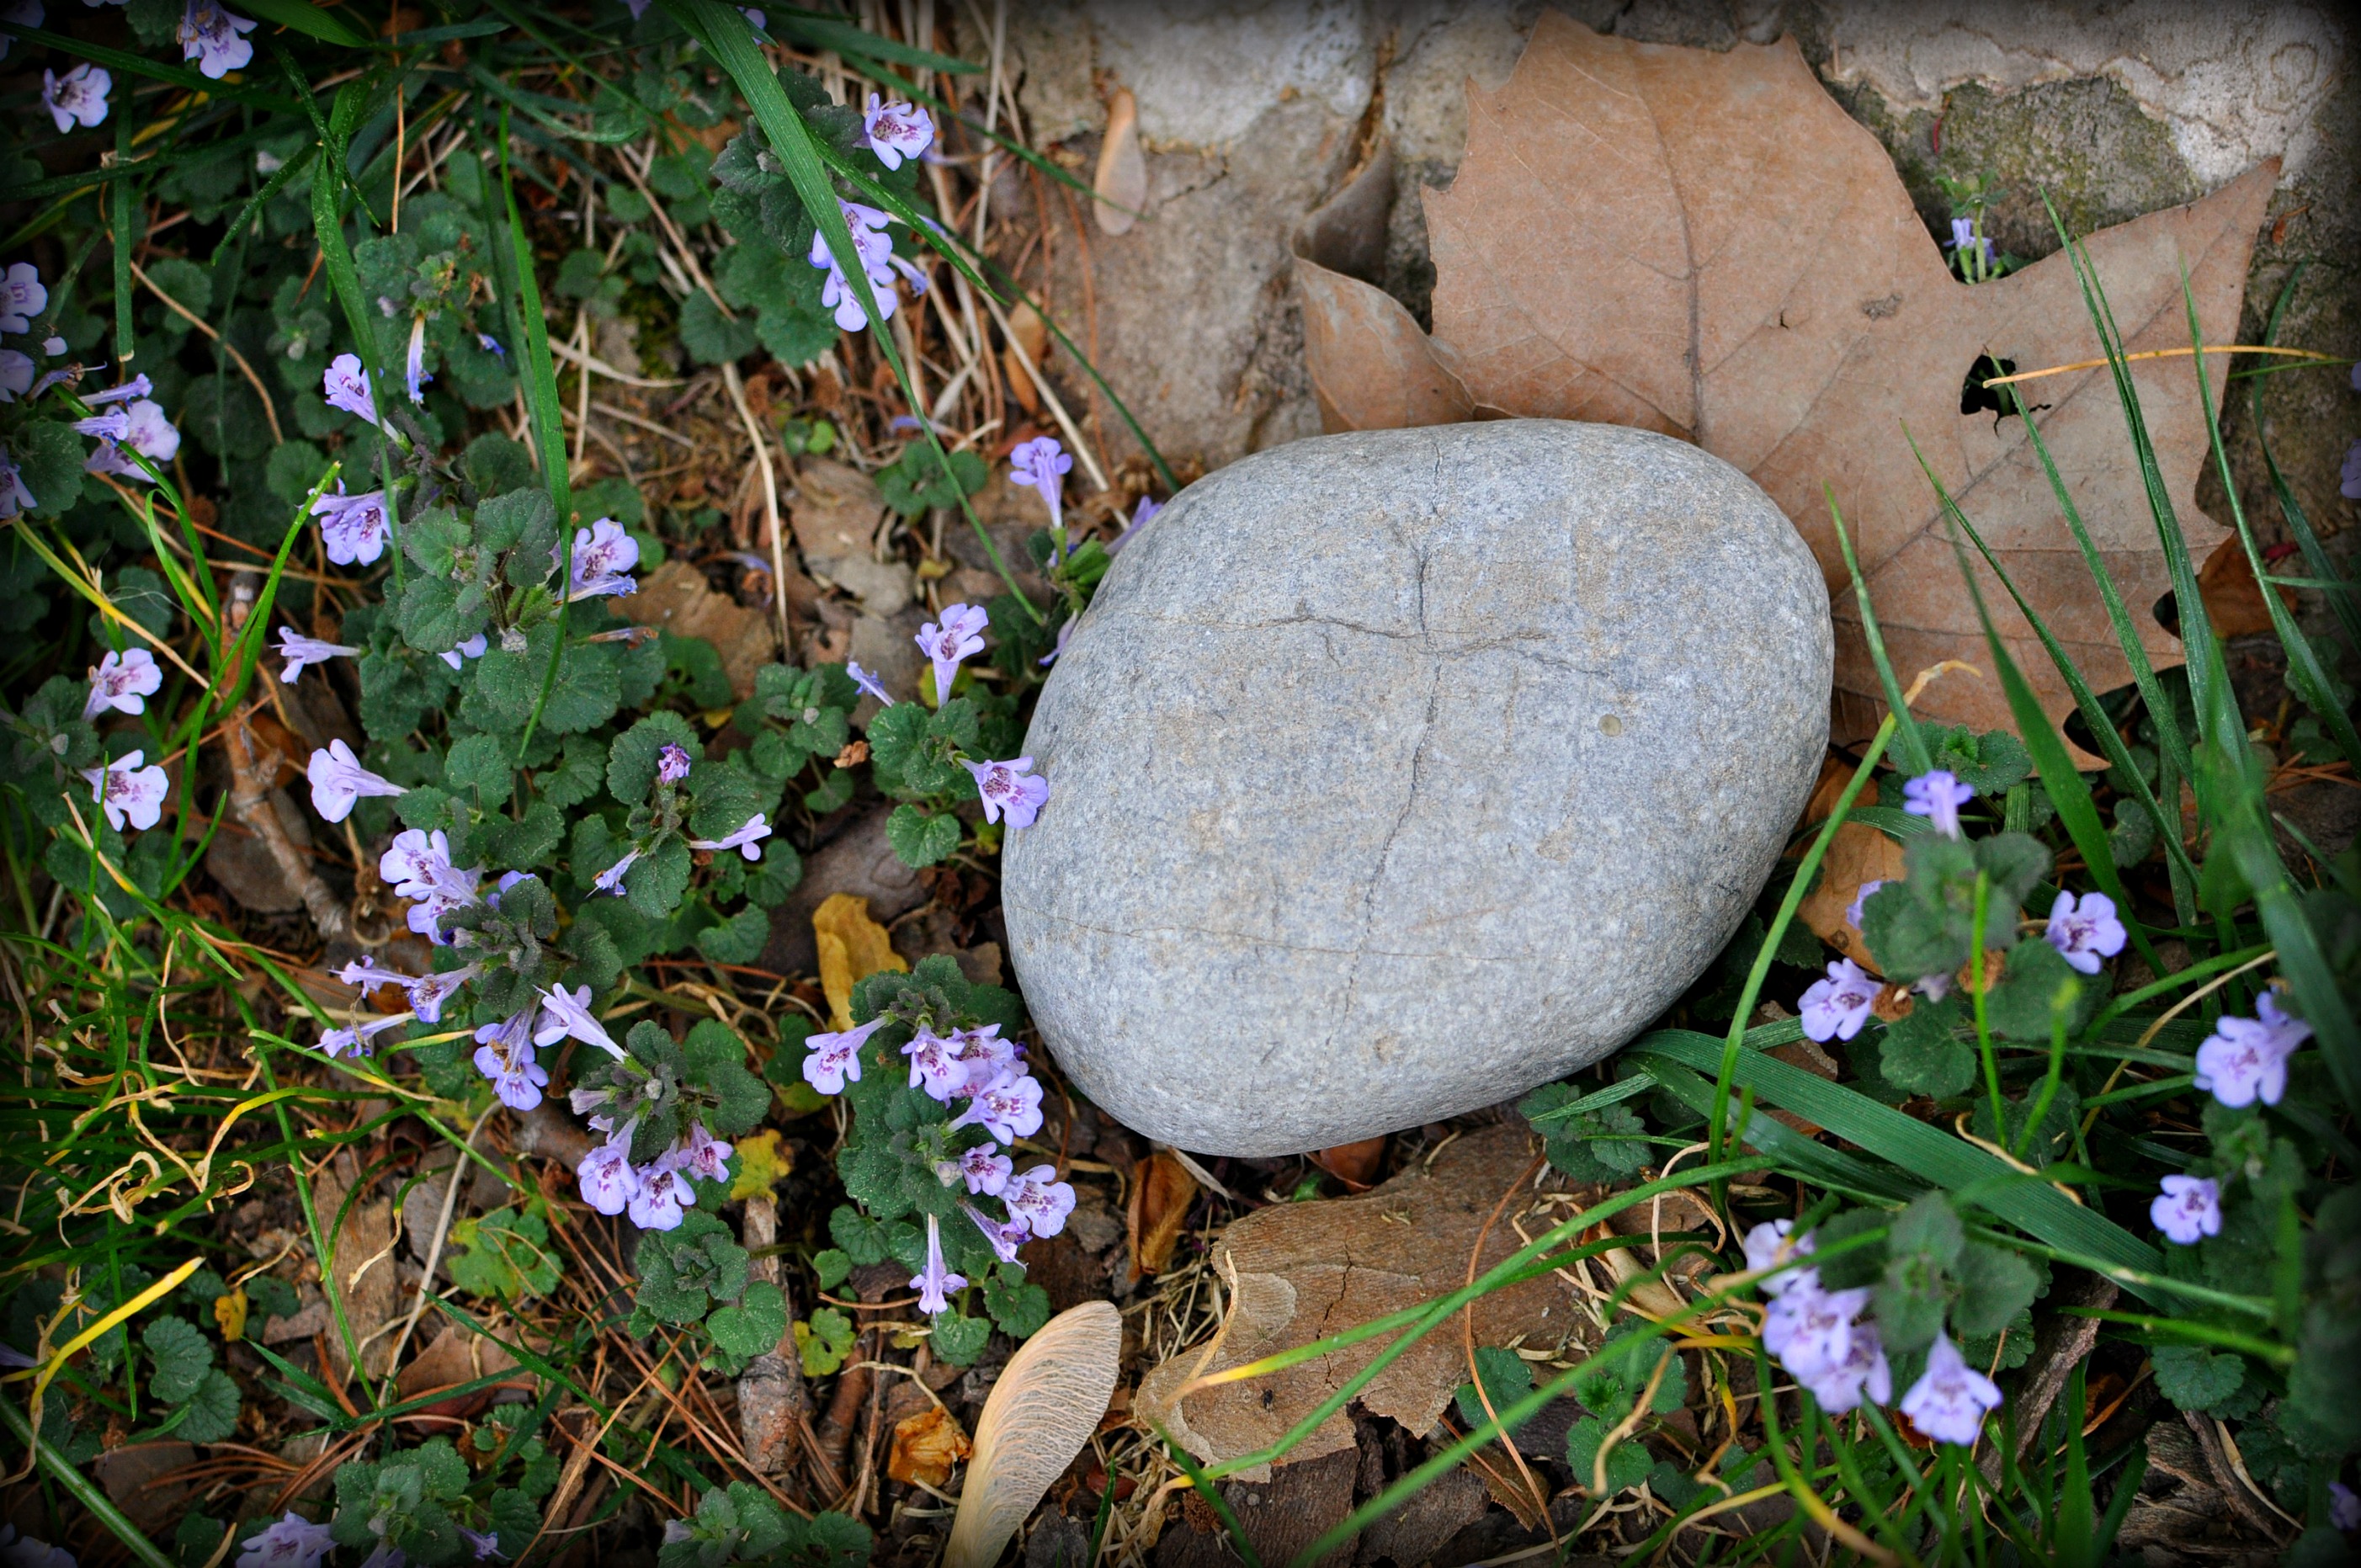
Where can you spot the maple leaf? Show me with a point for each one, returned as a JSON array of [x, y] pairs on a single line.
[[1705, 245]]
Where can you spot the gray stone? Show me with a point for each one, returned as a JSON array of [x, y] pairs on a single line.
[[1393, 773]]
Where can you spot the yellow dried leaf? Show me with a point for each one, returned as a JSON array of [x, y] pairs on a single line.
[[851, 946], [926, 1447], [762, 1163], [229, 1311]]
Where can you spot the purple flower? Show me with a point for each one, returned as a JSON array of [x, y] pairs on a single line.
[[672, 764], [1937, 796], [1933, 987], [946, 642], [835, 1057], [1840, 1387], [54, 345], [2190, 1208], [472, 648], [413, 371], [935, 1283], [661, 1196], [874, 251], [1964, 238], [603, 557], [935, 1065], [895, 131], [984, 1056], [504, 1055], [124, 789], [1065, 635], [115, 424], [1836, 1008], [126, 392], [355, 1041], [868, 683], [429, 992], [77, 98], [1043, 464], [123, 682], [563, 1014], [1009, 1108], [2349, 480], [291, 1542], [2344, 1506], [1004, 1236], [346, 386], [612, 879], [14, 496], [16, 375], [212, 36], [986, 1169], [21, 297], [1852, 910], [1949, 1401], [1009, 789], [1147, 508], [147, 431], [486, 1544], [338, 780], [1040, 1201], [297, 652], [1810, 1330], [1768, 1245], [747, 840], [352, 528], [607, 1181], [703, 1156], [2085, 932], [417, 865], [491, 346], [2245, 1059]]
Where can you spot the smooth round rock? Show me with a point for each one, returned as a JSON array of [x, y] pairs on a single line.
[[1393, 773]]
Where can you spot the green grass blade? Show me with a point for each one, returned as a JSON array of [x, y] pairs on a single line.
[[822, 31], [1813, 1161], [79, 1488], [307, 18], [1913, 744], [2343, 595]]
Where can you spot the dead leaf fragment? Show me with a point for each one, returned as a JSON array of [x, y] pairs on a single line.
[[1857, 856], [1352, 1164], [851, 948], [1705, 245], [835, 512], [927, 1447], [2233, 600], [674, 597], [1029, 342], [1160, 1197], [1121, 182], [1043, 1408]]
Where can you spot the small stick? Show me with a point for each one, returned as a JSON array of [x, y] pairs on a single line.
[[2170, 354]]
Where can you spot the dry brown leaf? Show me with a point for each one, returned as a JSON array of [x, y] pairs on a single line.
[[1859, 854], [851, 948], [1122, 182], [835, 512], [1836, 772], [927, 1446], [1303, 1271], [1352, 1164], [1029, 333], [1044, 1407], [1704, 244], [2233, 600], [674, 597], [1159, 1206]]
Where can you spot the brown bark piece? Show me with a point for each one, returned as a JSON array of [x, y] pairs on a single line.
[[1704, 244], [1304, 1271], [674, 597]]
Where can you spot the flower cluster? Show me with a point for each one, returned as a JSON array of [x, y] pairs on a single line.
[[873, 250]]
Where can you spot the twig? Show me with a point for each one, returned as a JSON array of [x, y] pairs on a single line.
[[770, 501], [2170, 353]]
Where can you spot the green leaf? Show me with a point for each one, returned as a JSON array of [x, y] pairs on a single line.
[[1507, 1379], [210, 1414], [710, 337], [1921, 1053], [480, 762], [1990, 764], [305, 17], [505, 1253], [920, 839], [830, 1267], [658, 880], [824, 1341], [2018, 1005], [2195, 1378], [1020, 1310], [1628, 1462], [739, 939], [958, 1340], [49, 458], [632, 765], [181, 1356], [914, 483], [754, 1326], [1995, 1287]]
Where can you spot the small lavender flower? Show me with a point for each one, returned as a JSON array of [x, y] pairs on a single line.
[[835, 1057], [491, 346], [1837, 1007], [563, 1014], [1039, 1198], [472, 648], [873, 250], [1065, 635], [504, 1055], [1043, 464], [747, 840], [1010, 790], [54, 345], [703, 1156], [1938, 796], [123, 789], [21, 297], [115, 424], [355, 1040], [935, 1065], [1863, 1368], [2349, 478], [895, 131], [986, 1169], [1861, 898], [1810, 1330], [1933, 987], [77, 98], [486, 1544], [935, 1282], [146, 431], [1949, 1401], [950, 639], [290, 1542], [1965, 239], [417, 865], [612, 879], [212, 37], [983, 1055], [338, 780], [2344, 1506], [1004, 1236], [297, 653], [2085, 932], [124, 392], [429, 992], [603, 557], [346, 386], [662, 1197], [14, 496], [2188, 1211], [1009, 1109], [413, 369], [353, 528], [606, 1176], [16, 375], [672, 764], [869, 684], [123, 681], [2245, 1059], [1147, 508], [1768, 1245]]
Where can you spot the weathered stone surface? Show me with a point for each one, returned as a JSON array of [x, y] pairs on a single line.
[[1344, 839]]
